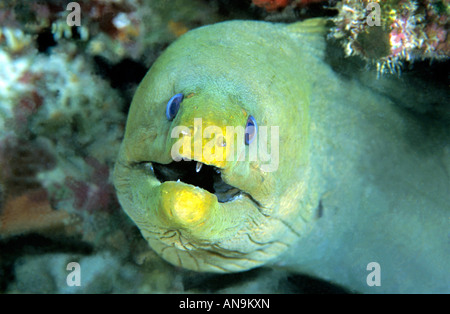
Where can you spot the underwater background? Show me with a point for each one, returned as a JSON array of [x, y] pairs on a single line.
[[65, 90]]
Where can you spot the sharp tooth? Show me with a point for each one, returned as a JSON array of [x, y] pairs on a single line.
[[149, 166], [198, 167]]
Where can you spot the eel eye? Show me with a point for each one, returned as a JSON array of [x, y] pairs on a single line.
[[173, 106], [250, 130]]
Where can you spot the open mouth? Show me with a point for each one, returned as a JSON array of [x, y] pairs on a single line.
[[197, 174]]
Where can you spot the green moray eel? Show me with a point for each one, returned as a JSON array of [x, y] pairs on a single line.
[[351, 179]]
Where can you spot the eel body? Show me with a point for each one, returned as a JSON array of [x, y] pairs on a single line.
[[347, 177]]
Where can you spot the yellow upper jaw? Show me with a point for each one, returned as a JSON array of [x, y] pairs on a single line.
[[205, 131], [206, 144]]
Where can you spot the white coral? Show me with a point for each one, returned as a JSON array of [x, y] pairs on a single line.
[[11, 70]]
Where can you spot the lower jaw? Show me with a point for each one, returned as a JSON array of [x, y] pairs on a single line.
[[201, 259], [187, 250]]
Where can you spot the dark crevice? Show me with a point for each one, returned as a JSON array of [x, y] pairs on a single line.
[[45, 40], [298, 283], [280, 281], [185, 171], [123, 76], [240, 9], [321, 9]]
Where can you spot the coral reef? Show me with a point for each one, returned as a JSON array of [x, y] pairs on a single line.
[[273, 5], [101, 273], [64, 95], [19, 165], [57, 114], [32, 212], [95, 194], [407, 30], [387, 33]]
